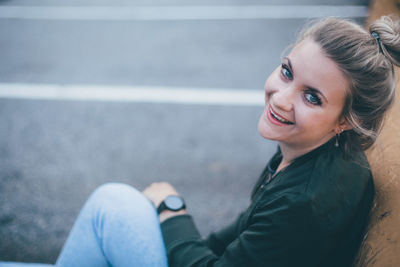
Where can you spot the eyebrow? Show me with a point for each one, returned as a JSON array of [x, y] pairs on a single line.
[[314, 90]]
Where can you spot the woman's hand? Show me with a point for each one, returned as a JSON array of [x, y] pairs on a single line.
[[157, 193]]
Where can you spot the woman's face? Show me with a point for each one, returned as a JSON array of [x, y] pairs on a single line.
[[304, 98]]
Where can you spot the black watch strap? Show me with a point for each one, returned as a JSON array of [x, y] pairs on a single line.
[[173, 203]]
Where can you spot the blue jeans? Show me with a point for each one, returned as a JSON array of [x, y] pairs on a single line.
[[117, 226]]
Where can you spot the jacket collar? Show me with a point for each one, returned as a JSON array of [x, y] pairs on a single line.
[[277, 158]]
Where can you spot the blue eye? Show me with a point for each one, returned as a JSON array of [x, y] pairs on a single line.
[[286, 72], [313, 98]]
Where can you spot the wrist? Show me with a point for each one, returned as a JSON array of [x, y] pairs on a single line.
[[166, 214], [172, 203]]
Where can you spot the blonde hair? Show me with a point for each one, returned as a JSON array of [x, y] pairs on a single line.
[[367, 62]]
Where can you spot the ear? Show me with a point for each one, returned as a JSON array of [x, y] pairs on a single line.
[[343, 125]]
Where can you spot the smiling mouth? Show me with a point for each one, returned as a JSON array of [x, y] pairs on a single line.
[[279, 118]]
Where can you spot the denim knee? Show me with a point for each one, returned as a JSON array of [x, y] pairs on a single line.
[[115, 197], [111, 190]]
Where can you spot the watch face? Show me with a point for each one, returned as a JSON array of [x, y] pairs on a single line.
[[174, 203]]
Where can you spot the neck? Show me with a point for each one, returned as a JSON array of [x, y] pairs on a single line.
[[291, 152]]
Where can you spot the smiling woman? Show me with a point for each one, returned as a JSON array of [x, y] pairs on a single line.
[[304, 101], [324, 105]]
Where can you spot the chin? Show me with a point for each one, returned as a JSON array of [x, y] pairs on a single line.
[[268, 137], [265, 131]]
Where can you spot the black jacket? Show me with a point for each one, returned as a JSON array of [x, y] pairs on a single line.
[[312, 213]]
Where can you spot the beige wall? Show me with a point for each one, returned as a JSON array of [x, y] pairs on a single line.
[[382, 245]]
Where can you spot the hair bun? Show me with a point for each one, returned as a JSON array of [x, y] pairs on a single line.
[[388, 29]]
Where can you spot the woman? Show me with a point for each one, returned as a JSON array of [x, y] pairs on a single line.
[[324, 105]]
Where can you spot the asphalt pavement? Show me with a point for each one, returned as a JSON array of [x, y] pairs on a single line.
[[55, 152]]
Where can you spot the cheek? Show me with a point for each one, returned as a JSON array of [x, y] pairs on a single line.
[[313, 120]]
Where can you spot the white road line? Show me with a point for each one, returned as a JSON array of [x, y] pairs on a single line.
[[202, 96], [162, 13]]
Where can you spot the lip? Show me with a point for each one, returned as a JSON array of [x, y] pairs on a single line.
[[275, 121]]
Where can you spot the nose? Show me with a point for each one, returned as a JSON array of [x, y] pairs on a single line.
[[283, 98]]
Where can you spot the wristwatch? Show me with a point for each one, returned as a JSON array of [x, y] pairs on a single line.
[[172, 202]]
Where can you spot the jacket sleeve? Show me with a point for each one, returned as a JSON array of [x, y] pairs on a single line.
[[270, 236], [218, 241]]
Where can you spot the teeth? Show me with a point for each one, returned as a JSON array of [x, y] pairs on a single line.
[[279, 118]]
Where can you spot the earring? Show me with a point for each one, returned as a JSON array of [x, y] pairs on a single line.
[[338, 136]]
